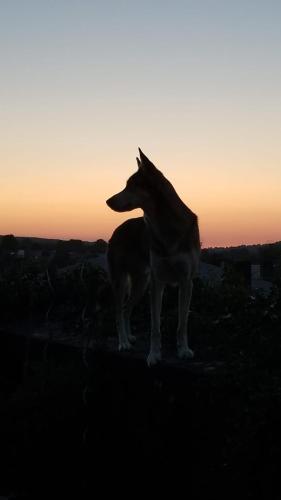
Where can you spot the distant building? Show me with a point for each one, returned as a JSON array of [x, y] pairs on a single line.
[[257, 277], [258, 283]]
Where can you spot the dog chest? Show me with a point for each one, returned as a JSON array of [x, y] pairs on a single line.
[[173, 269]]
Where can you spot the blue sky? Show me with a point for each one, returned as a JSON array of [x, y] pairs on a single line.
[[196, 84]]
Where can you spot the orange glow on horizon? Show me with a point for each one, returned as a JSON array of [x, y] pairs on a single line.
[[68, 222], [69, 202]]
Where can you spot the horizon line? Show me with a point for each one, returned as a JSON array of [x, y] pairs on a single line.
[[94, 241]]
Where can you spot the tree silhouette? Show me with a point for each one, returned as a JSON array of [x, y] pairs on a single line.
[[9, 244]]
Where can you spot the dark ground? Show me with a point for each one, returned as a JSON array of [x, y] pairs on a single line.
[[75, 419]]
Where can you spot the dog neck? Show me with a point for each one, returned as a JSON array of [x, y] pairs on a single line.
[[169, 225]]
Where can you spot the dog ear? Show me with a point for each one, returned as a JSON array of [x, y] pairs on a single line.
[[139, 163], [145, 163], [143, 158]]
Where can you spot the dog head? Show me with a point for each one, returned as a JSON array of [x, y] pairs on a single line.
[[136, 194]]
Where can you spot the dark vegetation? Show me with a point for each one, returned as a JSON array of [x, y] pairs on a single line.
[[266, 253], [224, 411]]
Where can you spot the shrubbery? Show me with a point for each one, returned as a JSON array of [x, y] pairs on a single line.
[[226, 321]]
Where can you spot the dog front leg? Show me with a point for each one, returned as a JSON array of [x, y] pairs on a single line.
[[121, 290], [185, 293], [156, 294]]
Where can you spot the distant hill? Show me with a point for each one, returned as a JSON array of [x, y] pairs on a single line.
[[40, 241], [51, 243], [212, 255], [241, 247], [267, 252]]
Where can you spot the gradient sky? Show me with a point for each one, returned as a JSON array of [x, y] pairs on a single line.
[[196, 84]]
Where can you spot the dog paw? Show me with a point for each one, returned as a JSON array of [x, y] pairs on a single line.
[[185, 353], [153, 358], [125, 345]]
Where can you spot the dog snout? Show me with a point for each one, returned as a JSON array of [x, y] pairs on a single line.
[[109, 202], [116, 202], [122, 202]]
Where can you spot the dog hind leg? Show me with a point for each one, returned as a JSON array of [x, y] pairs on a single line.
[[157, 289], [121, 290], [139, 284], [185, 293]]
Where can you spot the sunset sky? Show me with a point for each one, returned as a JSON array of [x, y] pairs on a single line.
[[195, 83]]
